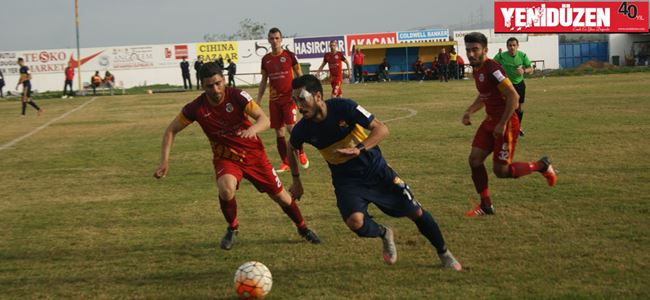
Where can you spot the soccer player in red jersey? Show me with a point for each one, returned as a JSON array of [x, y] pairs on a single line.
[[279, 67], [333, 59], [499, 131], [223, 114]]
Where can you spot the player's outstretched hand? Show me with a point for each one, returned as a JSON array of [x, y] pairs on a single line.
[[296, 191], [247, 134], [161, 171], [466, 120], [352, 151]]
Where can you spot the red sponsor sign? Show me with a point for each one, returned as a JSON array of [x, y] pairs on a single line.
[[181, 51], [572, 17], [370, 39]]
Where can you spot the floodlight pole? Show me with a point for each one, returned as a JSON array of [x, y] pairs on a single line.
[[76, 15]]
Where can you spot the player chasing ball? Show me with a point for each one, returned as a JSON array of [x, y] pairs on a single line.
[[223, 114]]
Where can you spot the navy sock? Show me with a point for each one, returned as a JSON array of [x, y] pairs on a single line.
[[429, 228], [370, 228]]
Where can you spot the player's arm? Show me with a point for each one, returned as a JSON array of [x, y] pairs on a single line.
[[347, 65], [262, 88], [474, 107], [320, 69], [296, 190], [297, 70], [262, 122], [178, 124], [378, 132], [512, 101]]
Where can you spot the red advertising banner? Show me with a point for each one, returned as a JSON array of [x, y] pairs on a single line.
[[370, 39], [571, 17]]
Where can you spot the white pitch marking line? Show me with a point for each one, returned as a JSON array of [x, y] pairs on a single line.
[[412, 112], [15, 141]]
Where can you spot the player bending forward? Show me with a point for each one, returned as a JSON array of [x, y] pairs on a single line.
[[238, 152], [359, 172]]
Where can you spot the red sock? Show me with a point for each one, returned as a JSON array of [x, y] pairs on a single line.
[[485, 197], [518, 169], [294, 213], [229, 210], [282, 149], [480, 178]]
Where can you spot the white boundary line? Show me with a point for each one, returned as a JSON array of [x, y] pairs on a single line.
[[412, 112], [15, 141]]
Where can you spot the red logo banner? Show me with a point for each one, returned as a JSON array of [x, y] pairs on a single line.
[[571, 17]]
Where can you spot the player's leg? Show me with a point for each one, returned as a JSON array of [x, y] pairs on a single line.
[[482, 145], [228, 177], [277, 123], [262, 175], [521, 90], [31, 102], [503, 165], [290, 118]]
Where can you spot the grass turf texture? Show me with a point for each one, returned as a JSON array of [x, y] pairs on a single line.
[[82, 217]]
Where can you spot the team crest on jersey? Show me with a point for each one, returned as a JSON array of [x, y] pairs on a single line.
[[336, 56], [229, 107], [343, 124], [282, 59], [481, 77]]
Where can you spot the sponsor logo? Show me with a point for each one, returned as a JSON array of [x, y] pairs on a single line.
[[571, 16]]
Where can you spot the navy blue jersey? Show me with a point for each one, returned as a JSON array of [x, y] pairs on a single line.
[[342, 128], [25, 75]]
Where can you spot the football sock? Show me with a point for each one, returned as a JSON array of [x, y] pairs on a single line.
[[480, 179], [24, 107], [485, 198], [33, 104], [520, 114], [518, 169], [429, 228], [370, 228], [229, 210], [282, 148], [294, 213]]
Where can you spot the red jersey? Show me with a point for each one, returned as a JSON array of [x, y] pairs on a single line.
[[490, 79], [222, 123], [279, 69], [69, 73], [334, 61], [357, 59]]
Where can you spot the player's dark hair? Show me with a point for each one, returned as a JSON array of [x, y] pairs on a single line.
[[20, 59], [309, 82], [275, 30], [476, 37], [210, 69], [512, 39]]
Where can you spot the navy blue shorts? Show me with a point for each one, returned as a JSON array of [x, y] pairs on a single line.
[[386, 190]]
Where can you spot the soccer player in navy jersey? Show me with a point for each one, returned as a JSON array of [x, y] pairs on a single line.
[[26, 80], [359, 172], [498, 133], [223, 114]]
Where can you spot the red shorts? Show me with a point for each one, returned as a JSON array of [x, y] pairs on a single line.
[[503, 147], [336, 86], [282, 113], [261, 174]]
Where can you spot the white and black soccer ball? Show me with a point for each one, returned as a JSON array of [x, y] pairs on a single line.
[[253, 280]]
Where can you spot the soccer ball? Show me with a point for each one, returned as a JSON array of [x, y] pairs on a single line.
[[253, 280]]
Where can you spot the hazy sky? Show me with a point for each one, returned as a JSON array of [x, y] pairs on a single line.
[[50, 24]]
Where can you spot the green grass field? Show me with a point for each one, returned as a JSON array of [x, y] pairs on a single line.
[[82, 217]]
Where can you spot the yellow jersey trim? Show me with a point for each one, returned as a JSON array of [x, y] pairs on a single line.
[[356, 136]]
